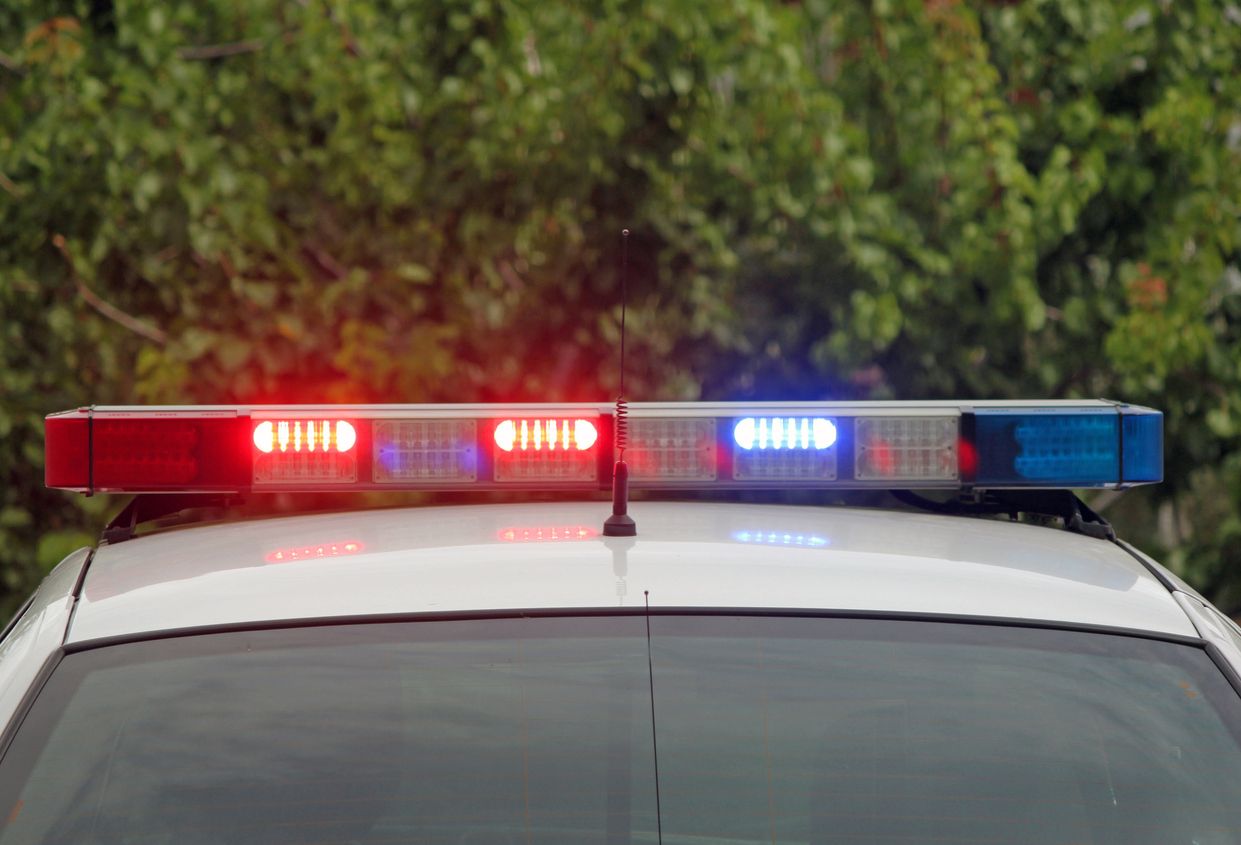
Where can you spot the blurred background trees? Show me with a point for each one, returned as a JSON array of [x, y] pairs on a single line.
[[420, 200]]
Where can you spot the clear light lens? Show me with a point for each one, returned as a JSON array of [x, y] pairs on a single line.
[[906, 448], [293, 452], [304, 435], [585, 434], [425, 450], [264, 438], [545, 449], [672, 449], [784, 433], [784, 449], [744, 432], [544, 434], [506, 435], [346, 437]]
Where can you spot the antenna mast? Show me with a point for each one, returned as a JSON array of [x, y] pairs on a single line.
[[620, 523]]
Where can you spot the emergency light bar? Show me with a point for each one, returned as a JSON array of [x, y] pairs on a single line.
[[888, 445]]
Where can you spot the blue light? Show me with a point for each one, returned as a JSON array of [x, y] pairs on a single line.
[[1068, 448], [784, 433], [1143, 452]]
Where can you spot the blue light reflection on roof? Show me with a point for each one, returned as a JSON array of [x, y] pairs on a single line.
[[781, 538]]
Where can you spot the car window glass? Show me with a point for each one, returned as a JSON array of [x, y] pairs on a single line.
[[782, 730], [264, 739], [789, 731]]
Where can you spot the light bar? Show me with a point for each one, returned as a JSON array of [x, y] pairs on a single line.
[[686, 445]]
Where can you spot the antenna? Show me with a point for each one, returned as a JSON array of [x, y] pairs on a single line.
[[620, 523]]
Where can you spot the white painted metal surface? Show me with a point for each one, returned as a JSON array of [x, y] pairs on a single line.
[[38, 633], [546, 556], [1214, 627]]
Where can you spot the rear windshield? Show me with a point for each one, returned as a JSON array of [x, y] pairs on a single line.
[[539, 730]]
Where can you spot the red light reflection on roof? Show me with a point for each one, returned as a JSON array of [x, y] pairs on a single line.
[[545, 533], [315, 551]]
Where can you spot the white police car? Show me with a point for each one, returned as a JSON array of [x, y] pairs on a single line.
[[735, 673]]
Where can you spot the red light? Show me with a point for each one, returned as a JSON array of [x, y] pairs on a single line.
[[304, 435], [881, 457], [67, 448], [545, 450], [163, 452], [144, 451], [551, 435], [968, 458], [317, 551], [296, 453]]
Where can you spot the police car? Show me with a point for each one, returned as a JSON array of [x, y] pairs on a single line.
[[703, 671]]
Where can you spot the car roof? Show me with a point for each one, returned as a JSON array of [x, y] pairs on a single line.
[[549, 556]]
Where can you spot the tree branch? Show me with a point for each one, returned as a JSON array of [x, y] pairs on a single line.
[[219, 51], [107, 309], [11, 64]]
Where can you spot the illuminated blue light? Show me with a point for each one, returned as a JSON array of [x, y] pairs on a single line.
[[1070, 448], [784, 433]]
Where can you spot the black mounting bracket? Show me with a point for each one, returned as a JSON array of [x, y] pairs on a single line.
[[145, 507], [1063, 504]]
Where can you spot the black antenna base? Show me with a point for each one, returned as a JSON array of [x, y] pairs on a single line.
[[620, 523]]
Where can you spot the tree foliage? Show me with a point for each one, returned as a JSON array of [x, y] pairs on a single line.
[[406, 200]]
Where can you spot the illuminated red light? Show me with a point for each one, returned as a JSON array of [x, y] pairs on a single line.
[[304, 436], [967, 458], [546, 434], [314, 552]]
